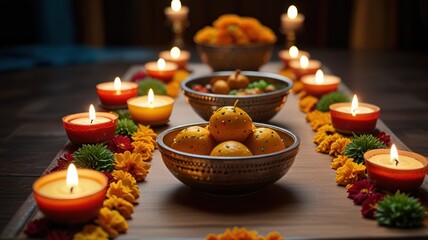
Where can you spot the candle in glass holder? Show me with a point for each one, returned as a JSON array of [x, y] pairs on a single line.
[[180, 57], [293, 53], [396, 170], [151, 110], [90, 127], [71, 196], [161, 70], [354, 117], [115, 94], [304, 66], [176, 12], [292, 20], [320, 84]]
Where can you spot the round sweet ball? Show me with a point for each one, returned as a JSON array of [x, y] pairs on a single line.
[[264, 140], [230, 123], [231, 148], [194, 139]]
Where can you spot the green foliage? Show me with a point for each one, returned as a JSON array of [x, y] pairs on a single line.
[[360, 145], [400, 210], [144, 86], [328, 99], [94, 156], [126, 127], [123, 113]]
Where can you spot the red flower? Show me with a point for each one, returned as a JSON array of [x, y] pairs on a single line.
[[360, 190], [62, 162], [383, 137], [138, 76], [369, 205], [38, 228], [120, 144]]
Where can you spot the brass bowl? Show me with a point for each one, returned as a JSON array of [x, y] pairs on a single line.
[[228, 175], [260, 107], [230, 57]]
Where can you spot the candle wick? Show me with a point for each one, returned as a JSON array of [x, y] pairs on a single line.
[[396, 162], [92, 120], [71, 189]]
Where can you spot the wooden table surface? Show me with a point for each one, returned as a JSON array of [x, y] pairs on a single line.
[[304, 204]]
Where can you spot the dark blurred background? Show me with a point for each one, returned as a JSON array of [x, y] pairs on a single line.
[[357, 24]]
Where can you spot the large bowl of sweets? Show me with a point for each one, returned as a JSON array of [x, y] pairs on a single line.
[[262, 95], [229, 155], [235, 42]]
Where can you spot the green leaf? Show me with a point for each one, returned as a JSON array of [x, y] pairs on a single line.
[[360, 145], [126, 127], [325, 101], [94, 156]]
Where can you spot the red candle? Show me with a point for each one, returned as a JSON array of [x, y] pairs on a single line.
[[115, 94], [291, 54], [70, 196], [180, 57], [161, 70], [304, 66], [354, 118], [320, 84], [86, 128], [396, 170]]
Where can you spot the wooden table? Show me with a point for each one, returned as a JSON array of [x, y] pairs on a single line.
[[304, 204]]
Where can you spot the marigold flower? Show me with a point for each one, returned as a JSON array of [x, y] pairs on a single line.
[[361, 190], [145, 131], [368, 207], [339, 161], [205, 35], [235, 233], [124, 207], [316, 124], [317, 115], [121, 191], [349, 173], [144, 148], [274, 236], [325, 145], [132, 163], [120, 144], [306, 103], [127, 180], [329, 129], [112, 222], [338, 147], [319, 137], [91, 232]]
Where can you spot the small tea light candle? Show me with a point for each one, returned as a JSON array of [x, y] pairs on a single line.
[[90, 127], [320, 84], [292, 20], [354, 117], [176, 12], [114, 95], [180, 57], [304, 66], [293, 53], [161, 70], [152, 110], [70, 196], [396, 170]]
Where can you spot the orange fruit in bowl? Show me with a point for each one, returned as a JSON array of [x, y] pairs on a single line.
[[194, 139], [263, 141], [230, 123], [231, 148]]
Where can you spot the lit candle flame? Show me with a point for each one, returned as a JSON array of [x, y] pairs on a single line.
[[319, 77], [175, 52], [394, 155], [161, 64], [304, 62], [117, 85], [72, 179], [151, 97], [293, 51], [175, 5], [292, 12], [92, 114], [354, 106]]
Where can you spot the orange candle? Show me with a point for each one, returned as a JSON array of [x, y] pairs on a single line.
[[396, 170], [161, 70], [152, 110], [293, 53], [70, 196], [304, 66], [180, 57], [115, 94], [320, 84]]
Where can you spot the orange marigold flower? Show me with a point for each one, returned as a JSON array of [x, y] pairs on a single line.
[[205, 35], [91, 232], [127, 180], [349, 173], [144, 148], [143, 132], [306, 103], [132, 163], [112, 222], [329, 129], [338, 147], [316, 124], [339, 161], [119, 190], [274, 236], [225, 20], [319, 137], [124, 207], [325, 145]]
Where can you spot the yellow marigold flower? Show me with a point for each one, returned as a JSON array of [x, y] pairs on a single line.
[[143, 132], [173, 89], [143, 148], [91, 232], [319, 137], [316, 124], [340, 161], [236, 233], [325, 145], [349, 173], [124, 207], [306, 103], [179, 76], [329, 129], [112, 222], [301, 94], [338, 147], [121, 191], [288, 73], [127, 180], [310, 116], [132, 163]]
